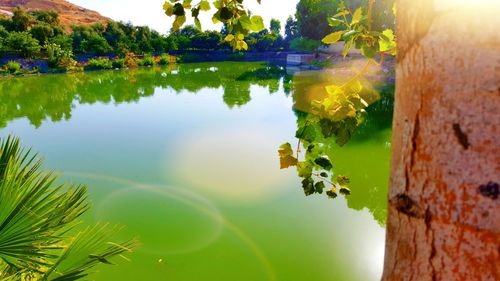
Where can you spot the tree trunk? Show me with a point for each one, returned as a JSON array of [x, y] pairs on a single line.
[[444, 206]]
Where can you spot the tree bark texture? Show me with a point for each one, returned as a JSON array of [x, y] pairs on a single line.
[[444, 202]]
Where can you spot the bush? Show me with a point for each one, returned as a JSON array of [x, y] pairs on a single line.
[[21, 42], [146, 61], [100, 63], [130, 60], [12, 67], [118, 63], [58, 57], [304, 44], [164, 59]]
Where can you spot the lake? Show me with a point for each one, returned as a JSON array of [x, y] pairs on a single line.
[[185, 157]]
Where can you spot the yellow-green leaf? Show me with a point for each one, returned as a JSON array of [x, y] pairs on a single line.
[[286, 156], [356, 17], [342, 13], [204, 5], [186, 4], [168, 8], [257, 23], [333, 37], [242, 45], [229, 38], [178, 22], [197, 23]]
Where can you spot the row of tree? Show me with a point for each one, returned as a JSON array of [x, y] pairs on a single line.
[[29, 33]]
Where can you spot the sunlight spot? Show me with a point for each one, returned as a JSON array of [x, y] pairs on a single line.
[[234, 165]]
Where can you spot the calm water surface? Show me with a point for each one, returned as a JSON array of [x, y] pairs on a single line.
[[186, 158]]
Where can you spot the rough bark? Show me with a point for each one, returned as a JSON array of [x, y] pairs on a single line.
[[444, 203]]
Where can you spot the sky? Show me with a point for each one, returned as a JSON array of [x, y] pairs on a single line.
[[150, 13]]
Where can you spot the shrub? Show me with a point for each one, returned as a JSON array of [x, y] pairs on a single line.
[[100, 63], [164, 59], [130, 60], [304, 44], [12, 66], [95, 44], [146, 61], [21, 42], [59, 57], [118, 63]]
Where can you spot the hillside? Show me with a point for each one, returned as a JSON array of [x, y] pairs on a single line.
[[68, 13]]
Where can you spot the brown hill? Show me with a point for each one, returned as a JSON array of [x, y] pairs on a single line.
[[68, 13]]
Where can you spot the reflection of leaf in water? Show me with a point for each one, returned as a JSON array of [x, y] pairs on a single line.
[[330, 116]]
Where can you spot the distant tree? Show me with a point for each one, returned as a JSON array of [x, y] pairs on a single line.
[[113, 34], [143, 39], [63, 40], [21, 20], [3, 33], [209, 40], [95, 44], [21, 42], [291, 29], [48, 17], [312, 17], [42, 32], [275, 26]]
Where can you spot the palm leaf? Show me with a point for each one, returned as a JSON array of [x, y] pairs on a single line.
[[37, 219]]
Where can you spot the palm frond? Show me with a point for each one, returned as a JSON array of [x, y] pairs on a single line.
[[38, 217]]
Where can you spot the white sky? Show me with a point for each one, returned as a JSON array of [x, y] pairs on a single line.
[[150, 12]]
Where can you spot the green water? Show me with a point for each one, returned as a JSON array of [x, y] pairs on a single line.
[[186, 158]]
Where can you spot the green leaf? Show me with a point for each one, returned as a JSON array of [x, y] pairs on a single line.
[[258, 23], [178, 22], [304, 169], [319, 186], [308, 186], [369, 51], [387, 41], [195, 12], [186, 4], [332, 193], [357, 16], [345, 190], [205, 5], [342, 13], [347, 47], [168, 8], [306, 133], [324, 163], [179, 10], [246, 22], [333, 37], [333, 22], [225, 14], [197, 23]]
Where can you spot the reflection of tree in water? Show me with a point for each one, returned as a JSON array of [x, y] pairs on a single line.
[[343, 144], [54, 96]]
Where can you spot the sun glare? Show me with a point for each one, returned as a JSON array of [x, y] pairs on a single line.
[[443, 4]]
